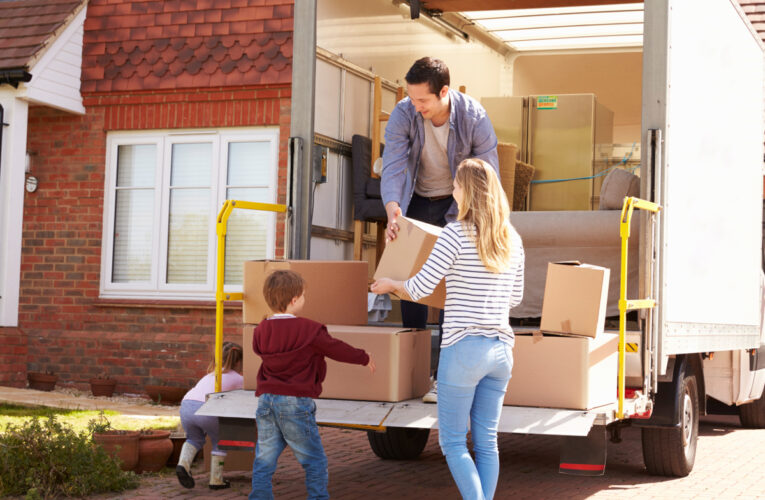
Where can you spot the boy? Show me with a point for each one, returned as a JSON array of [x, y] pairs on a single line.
[[293, 369]]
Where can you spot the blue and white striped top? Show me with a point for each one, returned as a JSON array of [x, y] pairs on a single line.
[[478, 302]]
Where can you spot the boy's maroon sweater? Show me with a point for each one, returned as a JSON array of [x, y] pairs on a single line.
[[293, 351]]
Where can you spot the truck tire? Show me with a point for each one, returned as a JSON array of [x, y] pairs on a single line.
[[671, 451], [752, 414], [398, 443]]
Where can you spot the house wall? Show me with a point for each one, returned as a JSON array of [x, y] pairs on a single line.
[[64, 326]]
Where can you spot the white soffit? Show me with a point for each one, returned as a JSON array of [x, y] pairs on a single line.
[[564, 28]]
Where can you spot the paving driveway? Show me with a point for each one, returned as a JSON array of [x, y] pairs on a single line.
[[730, 463]]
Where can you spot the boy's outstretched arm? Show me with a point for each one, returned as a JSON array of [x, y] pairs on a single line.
[[341, 351]]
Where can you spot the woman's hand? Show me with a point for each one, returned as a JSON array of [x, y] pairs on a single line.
[[371, 365], [384, 285]]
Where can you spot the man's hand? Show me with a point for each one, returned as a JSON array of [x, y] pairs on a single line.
[[394, 212], [384, 285], [371, 365]]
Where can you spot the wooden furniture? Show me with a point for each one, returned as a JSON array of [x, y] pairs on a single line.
[[378, 117]]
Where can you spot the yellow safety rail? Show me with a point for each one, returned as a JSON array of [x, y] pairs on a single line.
[[630, 203], [220, 229]]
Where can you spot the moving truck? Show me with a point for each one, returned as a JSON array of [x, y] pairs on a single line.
[[699, 126]]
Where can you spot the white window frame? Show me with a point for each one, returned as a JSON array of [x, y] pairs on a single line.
[[156, 288]]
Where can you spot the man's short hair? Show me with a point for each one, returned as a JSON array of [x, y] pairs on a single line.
[[281, 287], [431, 71]]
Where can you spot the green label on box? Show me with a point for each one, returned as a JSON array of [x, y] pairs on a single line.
[[547, 102]]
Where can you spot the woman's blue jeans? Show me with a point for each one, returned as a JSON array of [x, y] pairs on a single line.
[[288, 421], [473, 377]]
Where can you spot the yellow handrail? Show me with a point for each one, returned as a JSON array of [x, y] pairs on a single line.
[[220, 229], [630, 203]]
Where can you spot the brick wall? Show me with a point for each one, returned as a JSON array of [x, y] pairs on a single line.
[[13, 357], [63, 326]]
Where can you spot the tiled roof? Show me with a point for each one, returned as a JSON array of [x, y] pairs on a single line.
[[28, 26], [156, 44], [755, 11]]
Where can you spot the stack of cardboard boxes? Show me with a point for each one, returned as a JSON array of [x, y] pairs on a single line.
[[571, 363], [336, 295]]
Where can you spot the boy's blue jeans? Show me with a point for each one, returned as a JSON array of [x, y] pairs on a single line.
[[288, 421], [473, 377]]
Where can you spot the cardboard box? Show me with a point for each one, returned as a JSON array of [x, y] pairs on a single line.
[[575, 300], [405, 256], [554, 371], [402, 358], [336, 291]]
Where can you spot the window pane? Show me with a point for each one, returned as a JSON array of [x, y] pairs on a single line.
[[246, 234], [192, 164], [188, 235], [135, 165], [133, 220], [248, 163]]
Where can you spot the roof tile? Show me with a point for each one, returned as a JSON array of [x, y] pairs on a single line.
[[190, 43], [28, 26]]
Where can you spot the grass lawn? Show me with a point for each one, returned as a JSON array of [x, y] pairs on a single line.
[[78, 419]]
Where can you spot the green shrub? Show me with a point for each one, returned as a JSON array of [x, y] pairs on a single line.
[[46, 459]]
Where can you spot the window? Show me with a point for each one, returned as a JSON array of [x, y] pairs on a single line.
[[163, 194]]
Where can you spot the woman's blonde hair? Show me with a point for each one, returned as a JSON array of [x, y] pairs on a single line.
[[485, 213], [232, 356]]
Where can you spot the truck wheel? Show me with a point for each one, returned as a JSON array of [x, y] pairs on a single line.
[[672, 451], [398, 443], [752, 414]]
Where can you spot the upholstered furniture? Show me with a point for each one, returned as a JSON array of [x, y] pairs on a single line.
[[590, 236]]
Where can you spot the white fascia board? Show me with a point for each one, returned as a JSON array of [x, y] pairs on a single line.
[[56, 76]]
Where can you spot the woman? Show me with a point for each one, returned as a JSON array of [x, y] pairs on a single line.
[[198, 426], [481, 256]]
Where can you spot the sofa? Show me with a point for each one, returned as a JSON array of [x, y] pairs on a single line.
[[590, 237]]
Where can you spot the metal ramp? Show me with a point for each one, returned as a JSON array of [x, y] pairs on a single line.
[[416, 414]]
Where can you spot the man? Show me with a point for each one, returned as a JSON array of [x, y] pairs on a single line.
[[428, 135]]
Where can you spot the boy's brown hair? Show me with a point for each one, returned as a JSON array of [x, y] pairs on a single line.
[[281, 287]]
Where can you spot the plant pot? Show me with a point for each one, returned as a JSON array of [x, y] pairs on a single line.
[[122, 445], [42, 381], [154, 448], [165, 395], [178, 439], [102, 386]]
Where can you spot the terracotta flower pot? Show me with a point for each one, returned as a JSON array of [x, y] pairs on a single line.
[[122, 445], [165, 395], [42, 381], [102, 386], [154, 448]]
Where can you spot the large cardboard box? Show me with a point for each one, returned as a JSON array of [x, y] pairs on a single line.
[[336, 291], [555, 371], [402, 358], [405, 256], [575, 299]]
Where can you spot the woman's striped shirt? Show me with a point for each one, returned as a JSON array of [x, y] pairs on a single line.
[[478, 302]]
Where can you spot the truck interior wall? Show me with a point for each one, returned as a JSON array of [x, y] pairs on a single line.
[[379, 36], [614, 77], [343, 108]]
